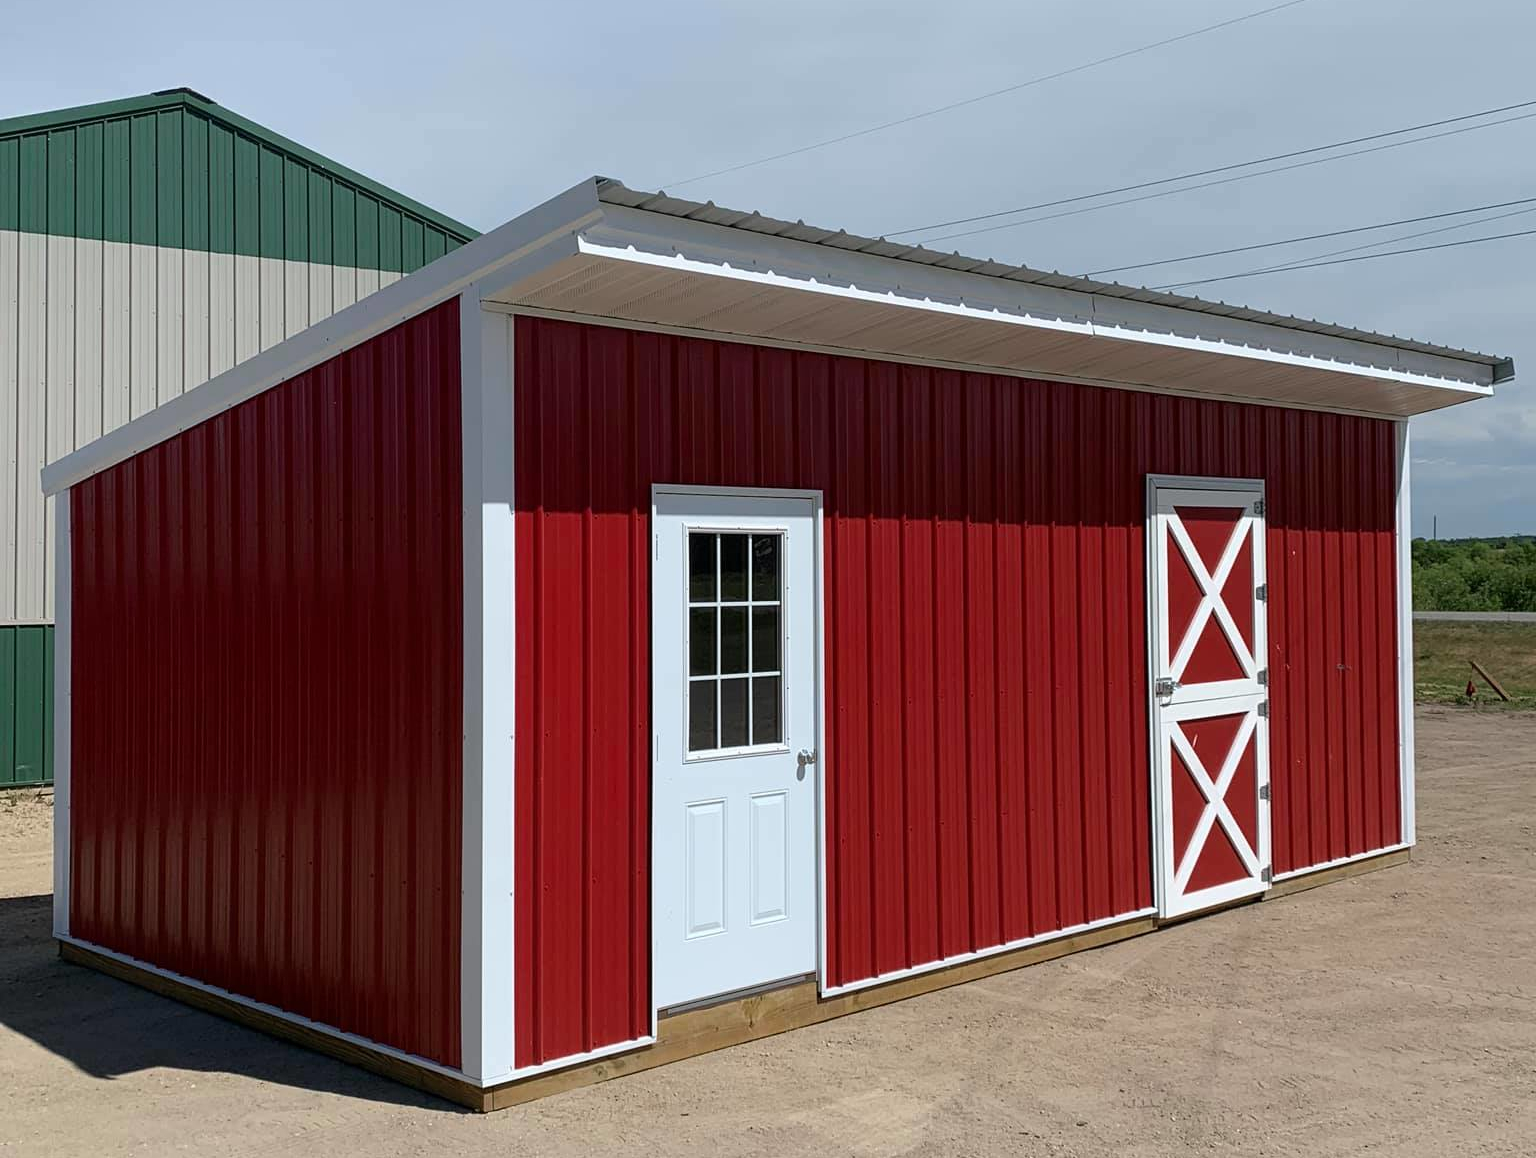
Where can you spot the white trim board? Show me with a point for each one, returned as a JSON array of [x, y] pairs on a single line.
[[990, 951], [1403, 540], [62, 715], [575, 1059], [486, 960], [1340, 860]]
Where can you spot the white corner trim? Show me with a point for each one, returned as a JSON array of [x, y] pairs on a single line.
[[487, 962], [991, 951], [273, 1011], [472, 964], [498, 686], [558, 218], [63, 586], [1406, 770]]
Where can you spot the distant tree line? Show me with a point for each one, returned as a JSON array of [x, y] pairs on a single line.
[[1475, 574]]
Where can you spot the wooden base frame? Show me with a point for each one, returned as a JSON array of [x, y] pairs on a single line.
[[399, 1069], [678, 1036], [1327, 876], [698, 1031]]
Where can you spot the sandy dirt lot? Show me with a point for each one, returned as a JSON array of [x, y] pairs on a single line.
[[1393, 1014]]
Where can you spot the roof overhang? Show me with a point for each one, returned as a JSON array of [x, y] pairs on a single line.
[[642, 268], [582, 257]]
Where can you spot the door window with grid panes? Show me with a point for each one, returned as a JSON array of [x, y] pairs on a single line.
[[735, 641]]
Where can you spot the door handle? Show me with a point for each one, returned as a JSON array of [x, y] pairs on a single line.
[[805, 756]]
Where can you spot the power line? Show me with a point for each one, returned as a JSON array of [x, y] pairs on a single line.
[[1359, 257], [960, 104], [1315, 237], [1385, 241], [1208, 172], [1226, 180]]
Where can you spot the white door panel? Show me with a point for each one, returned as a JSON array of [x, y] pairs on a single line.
[[734, 713], [1209, 694]]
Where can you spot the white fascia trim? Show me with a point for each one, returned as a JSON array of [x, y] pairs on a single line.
[[639, 237], [63, 586], [1337, 861], [273, 1011], [979, 954], [1406, 770], [550, 224]]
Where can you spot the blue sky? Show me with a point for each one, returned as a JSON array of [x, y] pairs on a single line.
[[483, 110]]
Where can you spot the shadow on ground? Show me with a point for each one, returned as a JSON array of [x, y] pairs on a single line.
[[108, 1028]]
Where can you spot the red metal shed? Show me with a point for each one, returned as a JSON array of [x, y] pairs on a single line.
[[652, 626]]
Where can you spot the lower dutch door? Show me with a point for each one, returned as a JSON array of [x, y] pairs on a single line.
[[1209, 691], [735, 704]]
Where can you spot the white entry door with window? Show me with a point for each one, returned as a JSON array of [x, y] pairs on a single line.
[[1209, 695], [735, 668]]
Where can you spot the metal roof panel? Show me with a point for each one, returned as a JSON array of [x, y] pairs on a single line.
[[615, 192]]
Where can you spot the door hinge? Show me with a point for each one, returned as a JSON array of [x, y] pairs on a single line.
[[1263, 791], [1263, 677], [1258, 507], [1264, 709], [1268, 874], [1261, 592]]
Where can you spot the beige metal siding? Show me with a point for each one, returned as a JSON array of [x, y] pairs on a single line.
[[93, 333]]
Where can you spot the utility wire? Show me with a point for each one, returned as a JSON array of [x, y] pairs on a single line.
[[1386, 241], [1358, 257], [1316, 237], [960, 104], [1210, 172], [1227, 180]]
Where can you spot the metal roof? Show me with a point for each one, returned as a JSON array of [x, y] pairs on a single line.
[[187, 98], [615, 192]]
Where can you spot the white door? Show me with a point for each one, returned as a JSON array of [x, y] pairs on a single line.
[[735, 666], [1209, 691]]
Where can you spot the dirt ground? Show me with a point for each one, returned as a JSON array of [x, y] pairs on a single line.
[[1393, 1014]]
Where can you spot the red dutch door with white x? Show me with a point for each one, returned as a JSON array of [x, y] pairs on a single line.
[[1209, 691]]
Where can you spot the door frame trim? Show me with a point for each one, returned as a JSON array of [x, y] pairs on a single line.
[[818, 598], [1154, 483]]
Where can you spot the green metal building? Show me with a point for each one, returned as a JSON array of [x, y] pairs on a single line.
[[147, 245]]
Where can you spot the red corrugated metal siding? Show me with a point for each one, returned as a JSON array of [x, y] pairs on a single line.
[[986, 655], [267, 699]]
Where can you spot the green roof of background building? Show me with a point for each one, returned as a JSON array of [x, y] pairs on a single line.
[[190, 99]]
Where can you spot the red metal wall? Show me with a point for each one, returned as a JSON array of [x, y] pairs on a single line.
[[267, 709], [986, 656]]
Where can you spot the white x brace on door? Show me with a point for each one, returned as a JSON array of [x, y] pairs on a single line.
[[1209, 693]]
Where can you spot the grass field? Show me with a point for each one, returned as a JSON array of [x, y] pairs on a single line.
[[1441, 670]]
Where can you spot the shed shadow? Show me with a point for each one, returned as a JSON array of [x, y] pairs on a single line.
[[107, 1028]]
